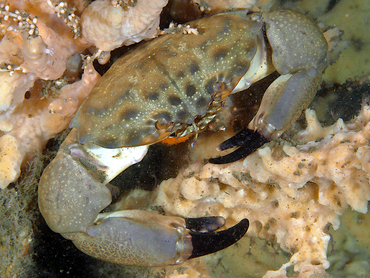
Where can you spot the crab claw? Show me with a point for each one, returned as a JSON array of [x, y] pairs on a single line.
[[145, 238], [73, 192], [247, 140], [207, 242], [299, 55]]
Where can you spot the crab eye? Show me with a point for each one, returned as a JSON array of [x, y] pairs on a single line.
[[219, 89], [160, 124], [219, 86]]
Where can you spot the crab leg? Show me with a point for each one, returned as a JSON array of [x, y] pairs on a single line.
[[72, 193]]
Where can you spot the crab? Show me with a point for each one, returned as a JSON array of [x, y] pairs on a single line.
[[174, 86]]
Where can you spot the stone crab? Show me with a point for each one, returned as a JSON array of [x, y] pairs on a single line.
[[174, 86]]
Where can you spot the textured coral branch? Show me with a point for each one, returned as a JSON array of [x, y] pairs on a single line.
[[108, 27]]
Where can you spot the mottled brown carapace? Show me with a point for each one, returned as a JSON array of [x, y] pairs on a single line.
[[165, 86]]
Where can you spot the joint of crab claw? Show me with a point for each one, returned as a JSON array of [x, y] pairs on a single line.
[[209, 242], [78, 153], [183, 246], [266, 129], [248, 142]]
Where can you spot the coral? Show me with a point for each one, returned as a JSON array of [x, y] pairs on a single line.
[[119, 26], [10, 156], [293, 194]]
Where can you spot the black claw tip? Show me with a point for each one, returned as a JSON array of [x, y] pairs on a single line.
[[207, 243], [237, 140], [248, 140], [204, 224]]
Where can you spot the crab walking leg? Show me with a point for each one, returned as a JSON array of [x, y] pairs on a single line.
[[72, 193]]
